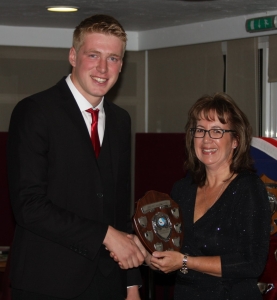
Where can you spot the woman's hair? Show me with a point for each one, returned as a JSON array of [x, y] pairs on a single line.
[[227, 111], [98, 24]]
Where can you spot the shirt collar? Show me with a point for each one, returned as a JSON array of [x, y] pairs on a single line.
[[80, 99]]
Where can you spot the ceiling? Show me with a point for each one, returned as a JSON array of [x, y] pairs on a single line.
[[134, 15]]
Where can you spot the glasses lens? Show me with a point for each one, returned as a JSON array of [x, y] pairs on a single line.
[[198, 133], [216, 133]]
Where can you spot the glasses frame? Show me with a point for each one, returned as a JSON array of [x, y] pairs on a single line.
[[192, 130]]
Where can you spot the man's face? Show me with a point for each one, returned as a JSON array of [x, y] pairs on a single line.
[[96, 65]]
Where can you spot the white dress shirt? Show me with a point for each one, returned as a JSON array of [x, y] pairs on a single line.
[[84, 105]]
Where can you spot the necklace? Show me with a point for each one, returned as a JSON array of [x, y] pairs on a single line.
[[223, 184]]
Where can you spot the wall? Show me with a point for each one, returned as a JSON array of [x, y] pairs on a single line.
[[191, 34], [157, 87], [178, 76], [242, 77], [27, 70]]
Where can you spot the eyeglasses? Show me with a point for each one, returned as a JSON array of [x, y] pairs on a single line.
[[213, 133]]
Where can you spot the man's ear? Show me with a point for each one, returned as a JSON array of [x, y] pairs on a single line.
[[72, 56]]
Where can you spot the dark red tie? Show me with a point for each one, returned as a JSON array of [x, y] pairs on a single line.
[[94, 131]]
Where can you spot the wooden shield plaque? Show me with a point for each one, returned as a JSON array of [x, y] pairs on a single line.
[[158, 222]]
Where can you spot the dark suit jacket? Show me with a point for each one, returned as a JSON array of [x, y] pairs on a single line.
[[56, 192]]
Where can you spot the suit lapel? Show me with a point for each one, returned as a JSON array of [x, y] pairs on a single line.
[[69, 105]]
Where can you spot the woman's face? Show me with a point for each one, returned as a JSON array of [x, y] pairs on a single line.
[[214, 153]]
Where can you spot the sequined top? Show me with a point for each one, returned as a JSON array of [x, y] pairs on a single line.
[[236, 228]]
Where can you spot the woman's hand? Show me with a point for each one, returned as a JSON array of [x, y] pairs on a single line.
[[167, 261]]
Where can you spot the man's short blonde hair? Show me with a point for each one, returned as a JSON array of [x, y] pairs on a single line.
[[98, 24]]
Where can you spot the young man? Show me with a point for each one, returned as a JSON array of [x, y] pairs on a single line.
[[71, 203]]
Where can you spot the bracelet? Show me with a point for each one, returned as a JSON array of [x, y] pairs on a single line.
[[184, 268]]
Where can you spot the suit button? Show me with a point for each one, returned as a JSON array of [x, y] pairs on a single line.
[[100, 195]]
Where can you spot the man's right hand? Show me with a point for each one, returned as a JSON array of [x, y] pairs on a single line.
[[124, 248], [146, 254], [139, 244]]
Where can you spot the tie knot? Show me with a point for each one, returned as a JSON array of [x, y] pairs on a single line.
[[94, 112]]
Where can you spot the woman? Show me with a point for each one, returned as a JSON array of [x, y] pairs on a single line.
[[225, 208]]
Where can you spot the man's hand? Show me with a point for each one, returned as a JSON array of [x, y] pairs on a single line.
[[123, 248], [138, 243], [146, 254]]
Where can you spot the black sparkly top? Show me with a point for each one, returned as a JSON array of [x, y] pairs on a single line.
[[236, 228]]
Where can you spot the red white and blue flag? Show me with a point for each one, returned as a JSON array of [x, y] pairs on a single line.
[[264, 153]]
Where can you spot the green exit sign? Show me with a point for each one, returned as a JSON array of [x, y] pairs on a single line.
[[261, 24]]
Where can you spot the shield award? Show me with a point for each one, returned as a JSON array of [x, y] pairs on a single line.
[[158, 222]]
